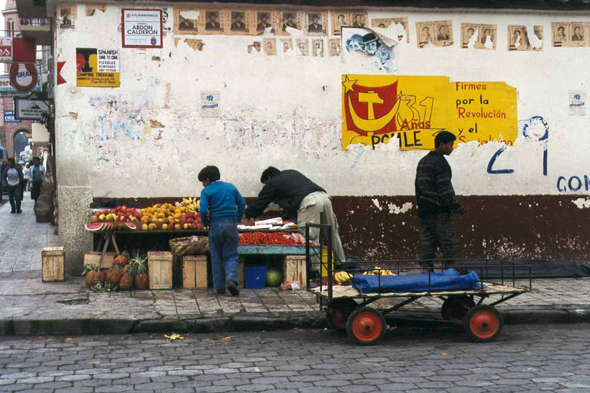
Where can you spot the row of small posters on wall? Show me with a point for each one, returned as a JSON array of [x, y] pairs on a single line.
[[144, 28]]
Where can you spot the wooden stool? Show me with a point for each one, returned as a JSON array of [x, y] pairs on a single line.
[[53, 264]]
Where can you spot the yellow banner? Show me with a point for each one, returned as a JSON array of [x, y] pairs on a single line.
[[414, 109]]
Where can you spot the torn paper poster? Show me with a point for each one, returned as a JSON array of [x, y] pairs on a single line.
[[437, 33], [402, 26], [577, 103], [316, 23], [520, 38], [334, 44], [266, 19], [209, 104], [270, 46], [287, 44], [167, 19], [478, 36], [240, 22], [317, 47], [214, 22], [92, 8], [186, 20], [290, 20], [570, 34], [302, 46], [367, 42], [67, 16]]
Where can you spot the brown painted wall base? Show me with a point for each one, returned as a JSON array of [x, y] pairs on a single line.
[[508, 227], [504, 227]]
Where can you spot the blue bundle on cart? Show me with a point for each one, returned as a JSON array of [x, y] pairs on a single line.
[[447, 280]]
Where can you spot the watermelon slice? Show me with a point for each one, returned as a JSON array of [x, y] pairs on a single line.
[[129, 226], [95, 227]]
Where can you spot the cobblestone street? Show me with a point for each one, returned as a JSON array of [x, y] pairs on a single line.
[[525, 359]]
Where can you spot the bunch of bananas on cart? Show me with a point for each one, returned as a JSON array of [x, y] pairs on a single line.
[[379, 272], [191, 204], [342, 278]]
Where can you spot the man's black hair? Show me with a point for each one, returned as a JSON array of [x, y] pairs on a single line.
[[210, 172], [11, 159], [268, 173], [444, 137], [36, 158]]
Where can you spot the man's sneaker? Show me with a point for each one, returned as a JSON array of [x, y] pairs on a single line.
[[232, 286], [221, 291], [12, 211], [19, 211]]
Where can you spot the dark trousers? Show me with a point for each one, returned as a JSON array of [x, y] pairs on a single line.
[[223, 245], [36, 190], [437, 231], [15, 196]]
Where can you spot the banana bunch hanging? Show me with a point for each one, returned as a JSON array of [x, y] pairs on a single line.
[[191, 204]]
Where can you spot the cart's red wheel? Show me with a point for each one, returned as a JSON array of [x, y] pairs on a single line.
[[366, 326], [456, 307], [483, 323], [338, 311]]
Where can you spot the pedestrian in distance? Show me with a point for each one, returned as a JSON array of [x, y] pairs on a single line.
[[37, 178], [13, 175], [300, 198], [27, 176], [436, 200], [222, 208]]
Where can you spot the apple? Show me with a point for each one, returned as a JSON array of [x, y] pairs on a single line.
[[105, 212], [122, 218], [190, 219], [183, 217], [102, 217], [177, 226], [200, 226], [165, 227], [144, 227], [123, 209], [190, 215], [118, 209], [186, 226], [193, 225], [93, 219]]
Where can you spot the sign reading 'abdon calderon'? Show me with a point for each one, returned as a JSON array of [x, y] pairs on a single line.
[[97, 67], [142, 28]]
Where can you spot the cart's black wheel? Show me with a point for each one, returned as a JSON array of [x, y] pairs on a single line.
[[456, 307], [366, 326], [483, 323], [338, 311]]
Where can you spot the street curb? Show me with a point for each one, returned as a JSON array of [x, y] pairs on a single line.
[[244, 322]]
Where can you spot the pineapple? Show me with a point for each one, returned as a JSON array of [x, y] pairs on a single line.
[[114, 275], [126, 282], [122, 260], [141, 277], [91, 272]]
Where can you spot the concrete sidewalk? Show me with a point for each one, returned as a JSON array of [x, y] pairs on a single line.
[[29, 306]]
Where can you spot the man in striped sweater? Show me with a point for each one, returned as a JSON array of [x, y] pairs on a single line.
[[436, 200]]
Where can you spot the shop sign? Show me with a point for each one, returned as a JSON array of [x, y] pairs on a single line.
[[9, 118], [142, 28], [5, 49], [23, 77], [97, 67], [7, 90], [27, 109]]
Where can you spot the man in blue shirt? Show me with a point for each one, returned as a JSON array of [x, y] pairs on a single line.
[[222, 208]]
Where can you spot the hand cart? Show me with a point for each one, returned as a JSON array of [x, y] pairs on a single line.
[[347, 308]]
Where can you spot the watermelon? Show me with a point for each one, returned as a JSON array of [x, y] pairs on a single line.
[[129, 226], [273, 277], [95, 227]]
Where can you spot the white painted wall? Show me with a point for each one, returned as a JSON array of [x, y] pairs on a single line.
[[286, 111]]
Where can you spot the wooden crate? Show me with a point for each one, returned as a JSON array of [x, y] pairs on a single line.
[[160, 269], [54, 260], [93, 258], [194, 272], [294, 269]]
